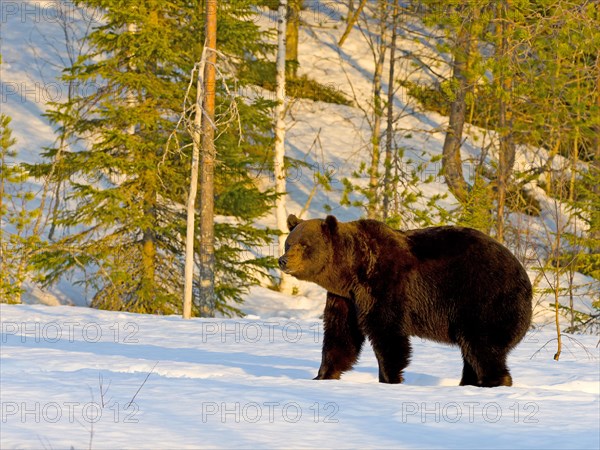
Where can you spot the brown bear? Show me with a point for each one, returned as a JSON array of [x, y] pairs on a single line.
[[449, 284]]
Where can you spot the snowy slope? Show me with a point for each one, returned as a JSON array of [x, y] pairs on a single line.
[[247, 384], [330, 138]]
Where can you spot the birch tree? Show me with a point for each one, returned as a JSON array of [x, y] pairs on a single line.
[[191, 203], [279, 163]]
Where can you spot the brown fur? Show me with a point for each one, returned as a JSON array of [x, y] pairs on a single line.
[[449, 284]]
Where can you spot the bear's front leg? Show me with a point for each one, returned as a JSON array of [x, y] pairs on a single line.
[[342, 341], [393, 355]]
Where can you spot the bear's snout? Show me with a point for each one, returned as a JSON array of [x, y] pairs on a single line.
[[282, 262]]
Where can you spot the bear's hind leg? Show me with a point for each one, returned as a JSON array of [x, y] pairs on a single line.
[[491, 368], [342, 341], [495, 373], [469, 376]]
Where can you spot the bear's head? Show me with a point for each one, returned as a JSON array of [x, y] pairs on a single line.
[[309, 249]]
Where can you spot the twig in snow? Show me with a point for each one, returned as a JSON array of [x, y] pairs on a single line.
[[141, 386]]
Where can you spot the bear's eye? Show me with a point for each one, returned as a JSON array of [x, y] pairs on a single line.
[[307, 250]]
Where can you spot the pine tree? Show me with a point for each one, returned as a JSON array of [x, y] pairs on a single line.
[[8, 174], [126, 228], [19, 218]]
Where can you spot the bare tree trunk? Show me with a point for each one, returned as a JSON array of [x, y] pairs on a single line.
[[556, 254], [575, 154], [379, 54], [292, 35], [572, 186], [352, 21], [506, 155], [572, 266], [451, 160], [595, 233], [130, 95], [557, 317], [149, 241], [191, 203], [350, 10], [286, 285], [207, 301], [597, 138], [389, 135]]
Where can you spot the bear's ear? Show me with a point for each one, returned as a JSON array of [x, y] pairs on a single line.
[[292, 222], [331, 224]]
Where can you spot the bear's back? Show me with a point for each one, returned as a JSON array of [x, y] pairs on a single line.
[[450, 241]]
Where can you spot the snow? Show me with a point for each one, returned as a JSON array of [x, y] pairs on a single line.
[[246, 383]]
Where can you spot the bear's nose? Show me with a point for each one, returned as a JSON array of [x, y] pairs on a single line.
[[282, 261]]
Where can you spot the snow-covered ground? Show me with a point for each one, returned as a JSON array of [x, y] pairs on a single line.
[[80, 378]]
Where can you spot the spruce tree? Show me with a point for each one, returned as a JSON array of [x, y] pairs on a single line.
[[9, 293], [125, 225], [20, 218]]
